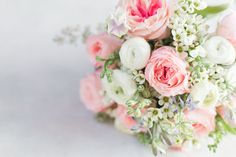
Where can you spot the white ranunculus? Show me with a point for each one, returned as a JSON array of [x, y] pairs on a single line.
[[231, 75], [135, 53], [121, 88], [220, 51], [205, 94]]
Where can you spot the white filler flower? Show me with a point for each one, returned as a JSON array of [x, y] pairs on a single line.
[[205, 94], [135, 53], [122, 87], [220, 51], [230, 76]]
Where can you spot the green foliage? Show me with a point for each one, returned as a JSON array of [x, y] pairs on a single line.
[[136, 105], [222, 129], [144, 138], [112, 59], [214, 9], [170, 132]]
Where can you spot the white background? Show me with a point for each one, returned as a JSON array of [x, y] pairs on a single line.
[[40, 111]]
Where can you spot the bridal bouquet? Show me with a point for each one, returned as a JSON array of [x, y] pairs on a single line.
[[165, 72]]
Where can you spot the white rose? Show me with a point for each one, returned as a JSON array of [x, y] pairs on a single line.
[[122, 87], [230, 76], [205, 94], [220, 51], [135, 53]]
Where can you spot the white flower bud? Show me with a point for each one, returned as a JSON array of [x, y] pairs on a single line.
[[135, 53], [122, 87], [205, 94], [220, 51]]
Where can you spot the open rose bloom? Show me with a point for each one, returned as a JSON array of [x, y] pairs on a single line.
[[148, 19], [161, 77]]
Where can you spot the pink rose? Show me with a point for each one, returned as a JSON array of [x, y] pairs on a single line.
[[166, 72], [123, 121], [203, 120], [102, 45], [227, 27], [147, 18], [91, 93]]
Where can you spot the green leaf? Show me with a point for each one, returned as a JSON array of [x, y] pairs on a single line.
[[144, 138], [214, 9], [100, 59], [228, 128]]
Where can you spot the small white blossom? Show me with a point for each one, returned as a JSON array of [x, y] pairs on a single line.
[[198, 51], [187, 30], [163, 101]]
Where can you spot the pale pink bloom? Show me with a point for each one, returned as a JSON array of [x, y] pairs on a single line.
[[147, 18], [203, 120], [102, 45], [166, 72], [227, 27], [123, 121], [91, 93]]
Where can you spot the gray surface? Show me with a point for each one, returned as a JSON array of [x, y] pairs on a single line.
[[40, 111]]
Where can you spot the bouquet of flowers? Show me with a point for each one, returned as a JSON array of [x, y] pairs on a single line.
[[165, 72]]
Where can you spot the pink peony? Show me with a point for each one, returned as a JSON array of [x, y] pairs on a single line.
[[227, 27], [203, 120], [102, 45], [147, 18], [124, 122], [166, 72], [90, 93]]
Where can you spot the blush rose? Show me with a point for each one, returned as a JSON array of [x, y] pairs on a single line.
[[203, 120], [148, 19], [102, 45], [166, 72], [91, 93]]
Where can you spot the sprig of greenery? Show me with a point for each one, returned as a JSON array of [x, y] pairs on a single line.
[[170, 132], [214, 9], [222, 129], [136, 105], [144, 138], [112, 59]]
